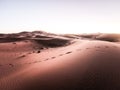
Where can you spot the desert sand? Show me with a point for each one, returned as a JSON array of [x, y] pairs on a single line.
[[44, 61]]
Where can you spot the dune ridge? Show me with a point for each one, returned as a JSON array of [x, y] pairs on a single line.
[[44, 61]]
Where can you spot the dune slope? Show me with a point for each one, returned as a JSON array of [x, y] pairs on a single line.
[[43, 61]]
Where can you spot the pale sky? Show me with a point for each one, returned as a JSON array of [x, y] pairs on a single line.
[[60, 16]]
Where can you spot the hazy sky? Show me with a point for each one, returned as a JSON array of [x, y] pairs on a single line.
[[60, 16]]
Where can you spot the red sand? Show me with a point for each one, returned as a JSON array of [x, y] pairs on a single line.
[[57, 62]]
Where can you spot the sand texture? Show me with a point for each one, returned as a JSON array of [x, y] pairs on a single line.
[[44, 61]]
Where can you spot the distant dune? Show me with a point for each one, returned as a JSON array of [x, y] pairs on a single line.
[[44, 61]]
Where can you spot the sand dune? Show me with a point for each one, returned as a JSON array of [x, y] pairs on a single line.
[[43, 61]]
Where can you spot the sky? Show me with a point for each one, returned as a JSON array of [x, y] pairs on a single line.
[[60, 16]]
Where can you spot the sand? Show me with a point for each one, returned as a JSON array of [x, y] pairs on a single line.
[[44, 61]]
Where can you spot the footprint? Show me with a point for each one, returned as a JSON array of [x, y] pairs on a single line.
[[115, 46], [14, 43], [29, 63], [35, 47], [0, 65], [22, 56], [68, 52], [11, 65], [106, 47], [26, 41], [100, 51], [61, 55], [41, 48], [97, 46], [52, 57], [29, 53], [87, 48], [47, 48], [39, 61], [38, 51], [46, 59], [35, 62]]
